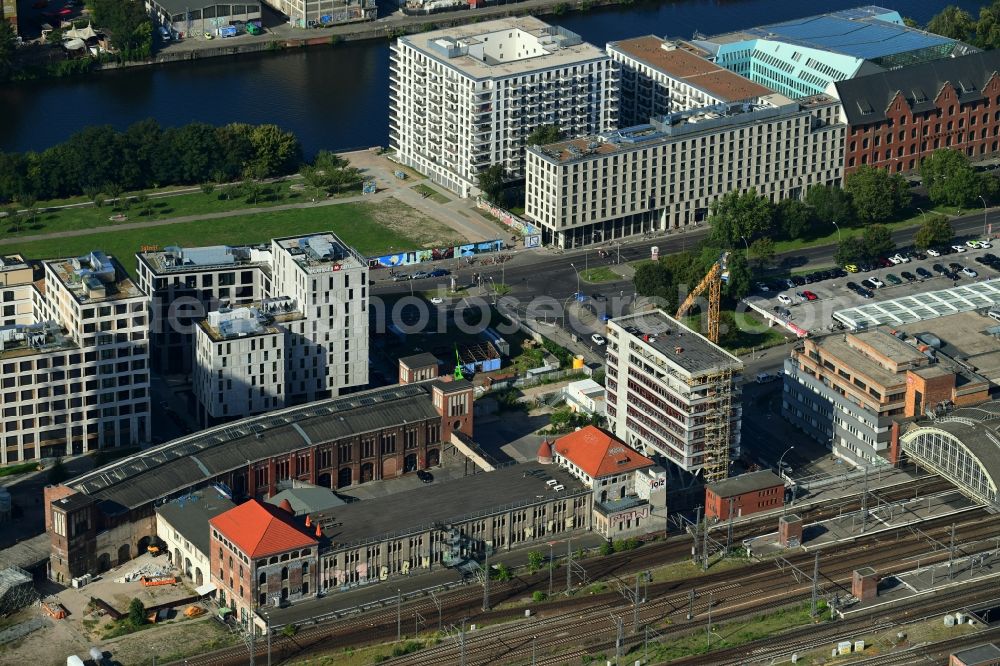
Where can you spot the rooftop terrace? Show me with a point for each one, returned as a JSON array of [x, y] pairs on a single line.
[[253, 319], [25, 340], [176, 259]]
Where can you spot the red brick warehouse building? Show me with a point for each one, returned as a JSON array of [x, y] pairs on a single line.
[[107, 515], [746, 494], [898, 117]]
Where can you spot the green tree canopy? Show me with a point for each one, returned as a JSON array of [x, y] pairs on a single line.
[[830, 205], [762, 251], [136, 612], [950, 179], [8, 50], [544, 134], [735, 216], [935, 232], [130, 27], [791, 218], [738, 284], [877, 196], [877, 239], [988, 26], [851, 250], [953, 22], [491, 182]]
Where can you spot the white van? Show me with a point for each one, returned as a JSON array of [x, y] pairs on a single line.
[[165, 33], [765, 377]]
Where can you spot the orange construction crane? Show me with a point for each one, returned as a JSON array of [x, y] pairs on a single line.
[[713, 282]]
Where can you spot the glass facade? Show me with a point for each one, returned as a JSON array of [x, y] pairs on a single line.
[[945, 454]]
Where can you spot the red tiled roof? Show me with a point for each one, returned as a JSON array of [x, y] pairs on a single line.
[[599, 454], [261, 529]]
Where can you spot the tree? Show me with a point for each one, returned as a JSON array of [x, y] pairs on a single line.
[[316, 180], [491, 182], [543, 135], [877, 240], [851, 250], [950, 179], [130, 27], [877, 196], [114, 191], [988, 26], [8, 49], [277, 152], [535, 560], [735, 216], [501, 572], [935, 232], [143, 203], [830, 205], [207, 187], [538, 596], [136, 612], [953, 22], [28, 201], [791, 218], [762, 251], [738, 284], [910, 23]]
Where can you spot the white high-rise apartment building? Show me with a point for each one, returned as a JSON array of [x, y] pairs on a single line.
[[661, 76], [673, 392], [306, 340], [466, 97], [665, 175], [75, 373]]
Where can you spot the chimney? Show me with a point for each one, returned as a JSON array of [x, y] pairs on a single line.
[[319, 531], [545, 453], [308, 521]]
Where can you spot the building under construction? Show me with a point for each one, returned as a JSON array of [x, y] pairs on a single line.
[[675, 393]]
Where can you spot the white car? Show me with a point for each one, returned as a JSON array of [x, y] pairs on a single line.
[[784, 299], [875, 281], [983, 245], [958, 248], [437, 300], [899, 259], [598, 339], [968, 272], [931, 252]]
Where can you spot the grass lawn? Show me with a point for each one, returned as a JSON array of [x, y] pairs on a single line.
[[181, 205], [751, 333], [430, 193], [733, 634], [372, 228], [599, 274], [18, 469], [914, 220]]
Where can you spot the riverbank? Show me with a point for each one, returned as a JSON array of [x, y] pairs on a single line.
[[385, 29]]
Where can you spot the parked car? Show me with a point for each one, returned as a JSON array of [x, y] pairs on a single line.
[[908, 276], [955, 266], [440, 272], [884, 262], [784, 299], [851, 268], [899, 259], [762, 286], [924, 273], [797, 281], [866, 293], [839, 273], [853, 286], [868, 284], [933, 252], [437, 300], [958, 248], [425, 476], [399, 277], [875, 281], [420, 275], [972, 244], [598, 339], [809, 296], [970, 272], [984, 245], [790, 283], [939, 269], [892, 279], [919, 256]]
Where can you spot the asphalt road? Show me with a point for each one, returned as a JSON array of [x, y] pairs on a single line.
[[544, 281]]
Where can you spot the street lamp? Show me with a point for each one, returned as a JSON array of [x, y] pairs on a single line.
[[747, 246], [838, 232], [577, 294], [922, 213], [984, 217], [783, 456]]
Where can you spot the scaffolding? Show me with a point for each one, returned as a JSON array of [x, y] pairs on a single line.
[[715, 459]]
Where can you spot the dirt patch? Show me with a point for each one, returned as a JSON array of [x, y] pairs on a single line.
[[405, 220]]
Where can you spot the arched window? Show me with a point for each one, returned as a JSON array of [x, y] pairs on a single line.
[[284, 573], [262, 578]]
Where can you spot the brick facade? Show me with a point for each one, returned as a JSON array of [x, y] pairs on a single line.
[[903, 138]]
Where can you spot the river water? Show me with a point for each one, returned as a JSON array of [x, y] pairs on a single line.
[[332, 97]]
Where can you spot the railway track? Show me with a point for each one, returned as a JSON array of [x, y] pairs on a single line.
[[754, 593], [380, 625]]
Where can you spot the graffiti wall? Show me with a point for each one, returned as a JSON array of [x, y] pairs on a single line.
[[508, 218], [414, 257]]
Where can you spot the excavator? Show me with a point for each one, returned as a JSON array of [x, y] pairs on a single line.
[[713, 282]]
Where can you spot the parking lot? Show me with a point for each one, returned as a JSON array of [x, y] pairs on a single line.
[[792, 305]]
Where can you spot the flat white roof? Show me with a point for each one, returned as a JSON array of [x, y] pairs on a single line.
[[918, 307]]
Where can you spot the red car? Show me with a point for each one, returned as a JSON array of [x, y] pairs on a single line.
[[809, 295], [885, 263]]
